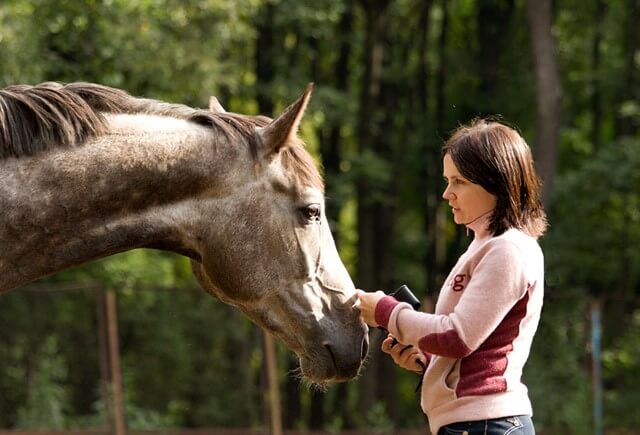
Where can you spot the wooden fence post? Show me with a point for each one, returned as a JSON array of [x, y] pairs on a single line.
[[273, 385], [114, 363], [103, 353]]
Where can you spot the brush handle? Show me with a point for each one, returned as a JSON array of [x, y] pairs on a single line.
[[404, 294]]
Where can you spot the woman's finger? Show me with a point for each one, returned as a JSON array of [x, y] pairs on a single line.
[[387, 344]]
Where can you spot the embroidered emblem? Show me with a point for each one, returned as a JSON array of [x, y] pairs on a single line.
[[458, 284]]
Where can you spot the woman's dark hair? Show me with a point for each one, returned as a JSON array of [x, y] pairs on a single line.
[[495, 156]]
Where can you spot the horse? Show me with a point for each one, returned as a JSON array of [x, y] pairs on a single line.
[[88, 171]]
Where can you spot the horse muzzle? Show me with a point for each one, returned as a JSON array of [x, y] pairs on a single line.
[[337, 359]]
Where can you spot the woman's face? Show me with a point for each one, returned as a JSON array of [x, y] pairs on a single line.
[[468, 201]]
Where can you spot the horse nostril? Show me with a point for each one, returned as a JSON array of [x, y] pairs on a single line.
[[333, 357]]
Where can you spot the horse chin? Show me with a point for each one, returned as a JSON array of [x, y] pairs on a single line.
[[322, 370], [317, 373]]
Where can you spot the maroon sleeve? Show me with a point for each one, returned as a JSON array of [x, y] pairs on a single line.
[[383, 310]]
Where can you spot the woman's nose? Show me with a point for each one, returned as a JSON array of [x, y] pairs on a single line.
[[446, 194]]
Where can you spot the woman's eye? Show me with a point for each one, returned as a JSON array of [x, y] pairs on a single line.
[[311, 212]]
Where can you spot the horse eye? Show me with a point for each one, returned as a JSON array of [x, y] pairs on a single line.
[[311, 212]]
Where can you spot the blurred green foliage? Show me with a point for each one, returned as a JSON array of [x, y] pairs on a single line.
[[189, 360]]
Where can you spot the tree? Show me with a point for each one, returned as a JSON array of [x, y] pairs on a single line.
[[371, 177], [627, 116], [548, 92]]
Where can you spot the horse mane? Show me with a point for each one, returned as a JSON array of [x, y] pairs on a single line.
[[51, 114]]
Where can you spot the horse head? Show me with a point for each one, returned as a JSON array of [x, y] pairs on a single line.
[[273, 255]]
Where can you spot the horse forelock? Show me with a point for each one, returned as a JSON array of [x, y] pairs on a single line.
[[299, 163]]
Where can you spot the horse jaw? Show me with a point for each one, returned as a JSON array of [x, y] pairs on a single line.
[[319, 324]]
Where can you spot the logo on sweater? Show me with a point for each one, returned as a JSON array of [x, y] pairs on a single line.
[[458, 282]]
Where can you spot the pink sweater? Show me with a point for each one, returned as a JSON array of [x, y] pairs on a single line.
[[479, 337]]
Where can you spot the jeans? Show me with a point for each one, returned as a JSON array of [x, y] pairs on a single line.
[[516, 425]]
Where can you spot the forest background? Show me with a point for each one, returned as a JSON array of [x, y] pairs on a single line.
[[392, 80]]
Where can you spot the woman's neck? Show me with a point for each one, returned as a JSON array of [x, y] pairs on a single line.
[[480, 225]]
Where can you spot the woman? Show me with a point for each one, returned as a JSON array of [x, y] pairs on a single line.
[[475, 345]]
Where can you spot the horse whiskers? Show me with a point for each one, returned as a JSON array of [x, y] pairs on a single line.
[[315, 387], [296, 373]]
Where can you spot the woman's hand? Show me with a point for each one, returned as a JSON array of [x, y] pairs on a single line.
[[406, 356], [367, 305]]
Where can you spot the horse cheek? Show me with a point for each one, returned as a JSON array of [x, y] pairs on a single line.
[[333, 273]]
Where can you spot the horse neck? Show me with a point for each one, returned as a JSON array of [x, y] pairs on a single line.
[[117, 192]]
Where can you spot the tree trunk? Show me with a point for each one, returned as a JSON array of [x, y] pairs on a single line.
[[439, 252], [331, 155], [596, 111], [431, 150], [385, 212], [548, 92], [368, 276], [265, 56], [375, 11], [493, 23], [625, 125]]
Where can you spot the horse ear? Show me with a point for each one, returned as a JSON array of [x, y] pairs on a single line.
[[215, 106], [276, 134]]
